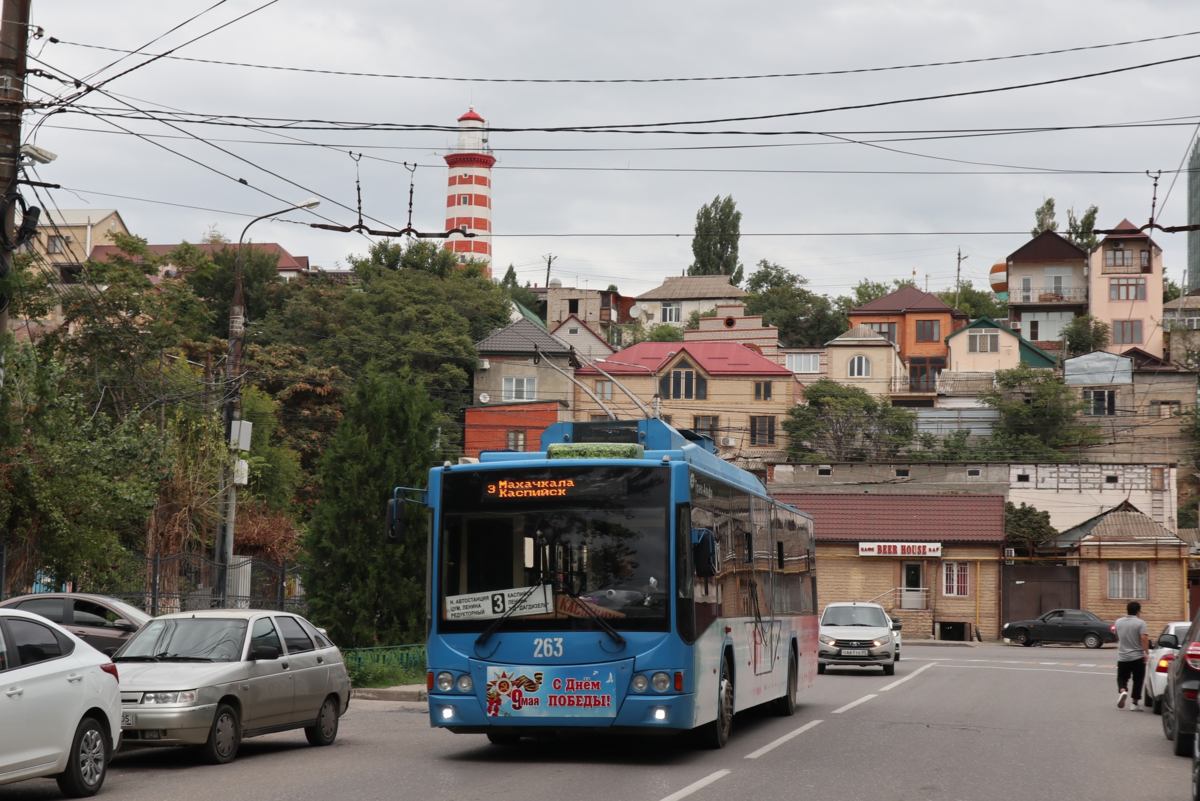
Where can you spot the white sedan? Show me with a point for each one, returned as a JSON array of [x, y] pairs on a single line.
[[1162, 652], [60, 709]]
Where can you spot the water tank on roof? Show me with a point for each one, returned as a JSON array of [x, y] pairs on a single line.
[[555, 282]]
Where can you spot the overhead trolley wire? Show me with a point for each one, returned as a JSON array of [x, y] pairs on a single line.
[[762, 76]]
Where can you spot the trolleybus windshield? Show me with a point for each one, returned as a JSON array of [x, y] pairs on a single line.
[[547, 541]]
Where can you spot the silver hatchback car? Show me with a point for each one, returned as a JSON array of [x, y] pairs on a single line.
[[214, 677]]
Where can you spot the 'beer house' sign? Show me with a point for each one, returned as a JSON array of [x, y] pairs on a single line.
[[913, 549]]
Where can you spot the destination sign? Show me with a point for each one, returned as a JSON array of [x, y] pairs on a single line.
[[504, 489]]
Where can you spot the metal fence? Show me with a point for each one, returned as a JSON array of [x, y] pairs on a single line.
[[160, 584]]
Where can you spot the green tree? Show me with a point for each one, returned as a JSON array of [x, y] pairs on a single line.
[[665, 332], [804, 319], [715, 244], [844, 423], [364, 591], [693, 323], [1026, 527], [211, 278], [975, 302], [522, 294], [1040, 416], [1171, 290], [1044, 218], [274, 466], [866, 291], [1080, 230], [1085, 334]]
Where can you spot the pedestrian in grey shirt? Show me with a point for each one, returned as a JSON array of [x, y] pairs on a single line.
[[1133, 649]]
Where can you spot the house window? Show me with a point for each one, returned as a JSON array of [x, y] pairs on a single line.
[[683, 383], [604, 390], [762, 430], [1100, 401], [1023, 478], [860, 367], [666, 418], [672, 312], [516, 441], [983, 340], [464, 200], [804, 362], [600, 418], [927, 330], [762, 390], [955, 579], [1129, 580], [519, 389], [973, 472], [901, 472], [824, 471], [885, 330], [1145, 258], [1127, 332], [1164, 408], [1033, 329], [54, 244], [1118, 258], [1111, 479], [573, 306], [707, 426], [1127, 289], [572, 331]]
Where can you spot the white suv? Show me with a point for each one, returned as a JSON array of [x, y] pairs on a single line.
[[859, 635], [59, 705]]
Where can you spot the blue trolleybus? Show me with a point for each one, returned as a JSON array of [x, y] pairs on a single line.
[[623, 579]]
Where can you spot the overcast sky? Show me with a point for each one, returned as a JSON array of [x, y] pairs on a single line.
[[638, 40]]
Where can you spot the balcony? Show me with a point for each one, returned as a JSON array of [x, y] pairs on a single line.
[[1119, 269], [1049, 295], [925, 384]]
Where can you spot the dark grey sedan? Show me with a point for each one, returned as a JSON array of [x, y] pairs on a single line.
[[102, 622]]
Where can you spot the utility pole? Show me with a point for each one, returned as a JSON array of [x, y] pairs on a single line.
[[958, 276], [549, 260], [14, 38]]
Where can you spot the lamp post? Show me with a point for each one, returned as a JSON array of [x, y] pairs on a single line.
[[233, 403]]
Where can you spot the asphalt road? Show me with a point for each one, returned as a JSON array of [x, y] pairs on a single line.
[[990, 722]]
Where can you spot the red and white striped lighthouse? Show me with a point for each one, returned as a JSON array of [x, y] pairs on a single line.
[[469, 201]]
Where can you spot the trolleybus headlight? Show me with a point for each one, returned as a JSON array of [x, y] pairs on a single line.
[[464, 683], [661, 682], [445, 682], [640, 683]]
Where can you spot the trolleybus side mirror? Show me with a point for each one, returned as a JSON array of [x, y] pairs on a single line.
[[704, 553], [393, 532]]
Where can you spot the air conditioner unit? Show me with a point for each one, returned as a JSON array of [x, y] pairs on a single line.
[[485, 364], [728, 442]]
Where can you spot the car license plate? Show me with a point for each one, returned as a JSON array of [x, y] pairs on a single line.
[[126, 720], [855, 652]]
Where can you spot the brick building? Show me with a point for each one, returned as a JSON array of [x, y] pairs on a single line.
[[509, 426], [932, 561]]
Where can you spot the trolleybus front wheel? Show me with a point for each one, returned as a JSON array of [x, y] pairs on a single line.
[[716, 734]]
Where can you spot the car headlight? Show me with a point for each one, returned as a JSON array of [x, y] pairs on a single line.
[[445, 681], [464, 683], [884, 640], [640, 683], [181, 697], [825, 638], [661, 682]]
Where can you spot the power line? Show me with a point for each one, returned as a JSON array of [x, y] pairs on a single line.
[[661, 127], [129, 53], [854, 71]]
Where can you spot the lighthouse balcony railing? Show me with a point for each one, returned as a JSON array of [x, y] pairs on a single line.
[[1048, 295], [483, 148]]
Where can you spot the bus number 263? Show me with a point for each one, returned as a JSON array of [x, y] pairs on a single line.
[[550, 646]]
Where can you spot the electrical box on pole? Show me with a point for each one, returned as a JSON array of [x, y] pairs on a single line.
[[239, 435]]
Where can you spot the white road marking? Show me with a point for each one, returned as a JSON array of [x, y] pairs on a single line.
[[694, 786], [1041, 670], [776, 743], [912, 675], [1047, 663], [853, 704], [1089, 664]]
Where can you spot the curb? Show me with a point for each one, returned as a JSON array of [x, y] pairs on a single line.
[[410, 693], [935, 643]]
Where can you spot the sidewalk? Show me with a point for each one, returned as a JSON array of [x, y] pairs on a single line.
[[405, 692]]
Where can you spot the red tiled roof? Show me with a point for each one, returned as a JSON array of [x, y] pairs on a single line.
[[714, 358], [879, 517], [1048, 246], [907, 299], [287, 261]]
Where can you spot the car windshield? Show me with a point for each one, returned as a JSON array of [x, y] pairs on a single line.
[[562, 545], [186, 640], [854, 616]]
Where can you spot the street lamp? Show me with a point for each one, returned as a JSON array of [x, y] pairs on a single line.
[[233, 399]]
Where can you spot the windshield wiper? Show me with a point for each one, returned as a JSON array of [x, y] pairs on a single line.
[[178, 658], [135, 659], [601, 622], [486, 634]]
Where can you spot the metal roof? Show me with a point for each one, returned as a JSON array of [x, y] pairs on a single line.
[[1048, 246], [714, 358], [908, 299], [694, 287], [851, 517], [522, 337]]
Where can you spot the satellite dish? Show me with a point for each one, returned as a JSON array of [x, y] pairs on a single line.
[[484, 397], [635, 311]]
